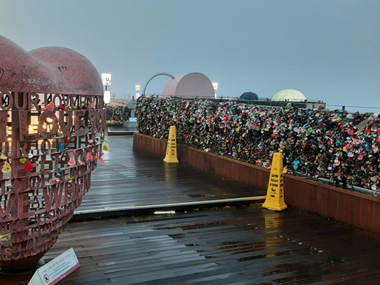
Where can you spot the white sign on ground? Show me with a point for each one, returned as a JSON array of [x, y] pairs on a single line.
[[56, 269]]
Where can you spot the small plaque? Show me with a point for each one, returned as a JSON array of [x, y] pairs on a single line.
[[56, 270]]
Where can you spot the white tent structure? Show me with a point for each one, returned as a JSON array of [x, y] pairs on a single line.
[[191, 85], [290, 95]]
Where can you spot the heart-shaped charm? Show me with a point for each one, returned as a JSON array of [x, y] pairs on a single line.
[[49, 107], [74, 152], [6, 168], [61, 148], [23, 160], [101, 160], [28, 166], [106, 148], [89, 156], [71, 162]]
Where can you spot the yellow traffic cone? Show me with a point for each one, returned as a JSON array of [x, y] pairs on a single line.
[[275, 193], [171, 150]]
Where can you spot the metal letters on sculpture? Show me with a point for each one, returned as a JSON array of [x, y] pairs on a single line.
[[51, 111]]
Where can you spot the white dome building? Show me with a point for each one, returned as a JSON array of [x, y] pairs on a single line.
[[191, 85], [290, 95]]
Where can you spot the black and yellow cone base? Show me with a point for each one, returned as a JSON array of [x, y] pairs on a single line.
[[275, 199], [171, 150]]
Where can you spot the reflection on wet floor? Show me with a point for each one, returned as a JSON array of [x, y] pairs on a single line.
[[229, 245], [232, 245], [133, 177]]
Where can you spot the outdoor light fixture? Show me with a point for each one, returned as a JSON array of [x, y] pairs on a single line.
[[215, 85], [106, 79]]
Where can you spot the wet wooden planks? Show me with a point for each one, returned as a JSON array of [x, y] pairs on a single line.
[[136, 178], [243, 245]]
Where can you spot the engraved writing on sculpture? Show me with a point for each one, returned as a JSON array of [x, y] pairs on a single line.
[[35, 204]]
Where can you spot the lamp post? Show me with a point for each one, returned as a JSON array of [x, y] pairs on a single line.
[[137, 89], [106, 80], [215, 85]]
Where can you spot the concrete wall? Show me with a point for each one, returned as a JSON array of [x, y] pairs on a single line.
[[355, 209]]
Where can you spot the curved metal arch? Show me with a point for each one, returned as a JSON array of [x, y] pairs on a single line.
[[158, 74]]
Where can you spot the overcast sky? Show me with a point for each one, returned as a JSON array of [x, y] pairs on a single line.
[[327, 49]]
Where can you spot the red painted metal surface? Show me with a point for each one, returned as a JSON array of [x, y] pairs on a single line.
[[342, 205], [51, 124], [46, 70]]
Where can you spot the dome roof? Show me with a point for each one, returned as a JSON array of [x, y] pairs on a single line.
[[191, 85], [249, 96], [47, 69], [289, 95]]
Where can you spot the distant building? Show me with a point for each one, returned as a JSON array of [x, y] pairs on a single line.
[[282, 98], [290, 95], [191, 85], [249, 96]]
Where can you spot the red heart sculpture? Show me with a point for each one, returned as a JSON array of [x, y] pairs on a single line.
[[58, 70]]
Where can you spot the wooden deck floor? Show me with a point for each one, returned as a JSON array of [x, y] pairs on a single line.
[[136, 178], [243, 245], [230, 245]]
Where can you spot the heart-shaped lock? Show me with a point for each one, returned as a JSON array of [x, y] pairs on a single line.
[[61, 147], [23, 160], [6, 168], [28, 166], [71, 162], [101, 160], [3, 156], [106, 148], [89, 156], [49, 107]]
